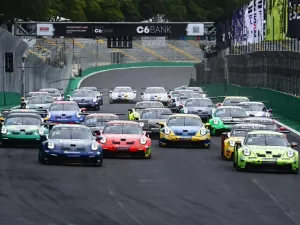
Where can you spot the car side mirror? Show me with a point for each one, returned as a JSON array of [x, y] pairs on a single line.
[[294, 144], [270, 110], [251, 115], [161, 124], [96, 133], [98, 138], [134, 92], [238, 145], [83, 109], [110, 92], [142, 93], [97, 96], [207, 125], [130, 110], [169, 96]]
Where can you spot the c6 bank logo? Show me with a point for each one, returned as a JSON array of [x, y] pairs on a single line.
[[153, 30]]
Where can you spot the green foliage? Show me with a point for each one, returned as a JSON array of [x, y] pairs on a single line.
[[119, 10]]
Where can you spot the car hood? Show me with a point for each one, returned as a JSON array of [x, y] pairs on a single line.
[[199, 109], [154, 121], [122, 93], [97, 128], [276, 150], [22, 127], [231, 119], [65, 113], [156, 95], [72, 143], [127, 137], [188, 129], [236, 139]]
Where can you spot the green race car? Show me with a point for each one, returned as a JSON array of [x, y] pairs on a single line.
[[134, 113], [23, 127], [266, 150], [224, 117], [6, 112]]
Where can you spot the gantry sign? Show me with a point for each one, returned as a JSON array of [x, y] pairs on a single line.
[[119, 35]]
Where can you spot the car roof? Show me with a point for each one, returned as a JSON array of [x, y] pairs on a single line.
[[158, 108], [101, 115], [70, 125], [229, 107], [199, 99], [122, 87], [155, 88], [247, 125], [23, 110], [65, 102], [265, 132], [259, 119], [37, 92], [249, 103], [23, 114], [184, 115], [53, 89], [147, 102], [236, 97], [122, 122]]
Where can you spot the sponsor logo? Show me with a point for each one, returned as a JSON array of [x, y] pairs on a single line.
[[153, 30], [102, 30], [44, 29]]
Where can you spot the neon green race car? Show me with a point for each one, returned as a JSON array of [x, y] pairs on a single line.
[[134, 113], [23, 127], [224, 117], [266, 150]]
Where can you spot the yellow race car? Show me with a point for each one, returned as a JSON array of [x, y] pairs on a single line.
[[184, 130], [232, 100], [237, 133], [134, 113]]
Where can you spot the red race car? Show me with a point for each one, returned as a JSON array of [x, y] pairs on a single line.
[[127, 138]]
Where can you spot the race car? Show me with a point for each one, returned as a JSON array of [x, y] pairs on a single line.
[[173, 96], [97, 121], [70, 144], [37, 93], [65, 112], [266, 150], [232, 100], [199, 106], [41, 104], [184, 130], [155, 94], [151, 117], [86, 99], [122, 94], [5, 112], [183, 87], [224, 117], [268, 122], [125, 138], [55, 93], [198, 90], [237, 133], [98, 92], [256, 109], [22, 128], [134, 113]]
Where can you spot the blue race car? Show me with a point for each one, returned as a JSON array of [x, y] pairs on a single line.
[[70, 144], [199, 106], [65, 112], [97, 91], [86, 98]]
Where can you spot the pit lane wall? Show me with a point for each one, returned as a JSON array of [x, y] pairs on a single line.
[[263, 76], [74, 82]]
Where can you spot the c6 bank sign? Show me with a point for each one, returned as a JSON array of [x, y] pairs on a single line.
[[154, 30]]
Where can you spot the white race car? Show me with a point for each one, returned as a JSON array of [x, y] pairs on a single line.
[[122, 94], [155, 94]]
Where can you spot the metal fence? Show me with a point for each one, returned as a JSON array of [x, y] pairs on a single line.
[[31, 72], [277, 70]]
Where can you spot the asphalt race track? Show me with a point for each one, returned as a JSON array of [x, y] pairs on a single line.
[[176, 187]]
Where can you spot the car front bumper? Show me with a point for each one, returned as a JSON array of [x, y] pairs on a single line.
[[203, 141], [117, 150]]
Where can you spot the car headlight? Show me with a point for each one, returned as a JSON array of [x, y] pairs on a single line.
[[78, 115], [51, 145], [216, 121], [141, 124], [103, 140], [231, 143], [41, 131], [3, 130], [167, 130], [143, 141], [203, 131], [290, 153], [247, 152], [94, 99], [95, 146]]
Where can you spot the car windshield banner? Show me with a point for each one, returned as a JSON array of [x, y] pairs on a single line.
[[127, 29]]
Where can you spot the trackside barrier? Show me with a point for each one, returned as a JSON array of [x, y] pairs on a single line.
[[74, 82]]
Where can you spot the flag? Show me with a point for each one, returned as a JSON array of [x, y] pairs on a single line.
[[249, 22], [260, 19], [294, 19]]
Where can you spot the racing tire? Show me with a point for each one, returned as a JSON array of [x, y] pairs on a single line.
[[233, 161], [41, 160], [161, 145], [111, 101], [295, 171]]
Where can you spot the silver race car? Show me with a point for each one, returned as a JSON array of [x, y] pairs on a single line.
[[122, 94], [155, 94]]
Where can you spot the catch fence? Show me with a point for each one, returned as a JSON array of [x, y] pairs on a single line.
[[276, 70]]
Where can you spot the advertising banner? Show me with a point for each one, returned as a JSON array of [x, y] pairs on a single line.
[[294, 19]]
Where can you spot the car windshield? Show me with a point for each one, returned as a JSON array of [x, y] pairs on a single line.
[[71, 133], [99, 121], [23, 120], [198, 89], [155, 90], [122, 129], [253, 107], [149, 105], [38, 93], [64, 107], [266, 140], [155, 114], [83, 94], [40, 101], [89, 88], [184, 121], [53, 93], [234, 101], [231, 112], [122, 89], [239, 132], [199, 102]]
